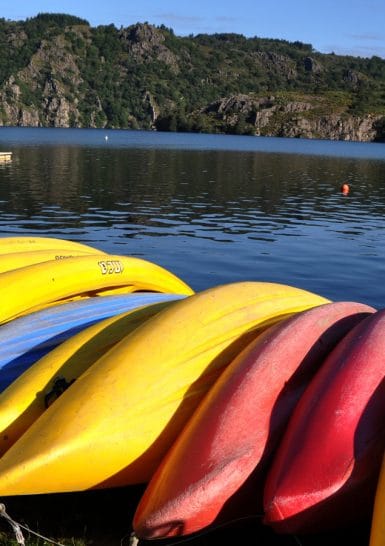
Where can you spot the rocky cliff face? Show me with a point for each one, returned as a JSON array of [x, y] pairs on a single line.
[[271, 116], [332, 127], [144, 43], [41, 97]]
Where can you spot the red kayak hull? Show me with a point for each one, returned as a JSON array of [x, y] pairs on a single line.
[[224, 448], [325, 470]]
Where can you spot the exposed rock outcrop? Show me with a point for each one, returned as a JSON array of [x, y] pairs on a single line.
[[146, 43], [271, 116], [311, 65], [277, 63]]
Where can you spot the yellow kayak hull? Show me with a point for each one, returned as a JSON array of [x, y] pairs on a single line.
[[25, 244], [35, 286], [16, 260], [26, 398], [377, 532], [113, 425]]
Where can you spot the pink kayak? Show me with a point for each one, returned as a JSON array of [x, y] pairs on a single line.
[[224, 448], [325, 471]]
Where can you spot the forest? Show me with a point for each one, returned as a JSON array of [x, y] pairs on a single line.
[[57, 70]]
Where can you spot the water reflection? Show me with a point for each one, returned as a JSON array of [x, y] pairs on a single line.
[[209, 215], [77, 179]]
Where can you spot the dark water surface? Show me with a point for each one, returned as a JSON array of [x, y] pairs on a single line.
[[212, 209]]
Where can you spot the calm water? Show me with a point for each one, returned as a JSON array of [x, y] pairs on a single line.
[[212, 209]]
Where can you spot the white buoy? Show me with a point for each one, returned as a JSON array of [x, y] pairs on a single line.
[[106, 137]]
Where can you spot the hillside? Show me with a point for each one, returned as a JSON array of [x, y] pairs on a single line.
[[58, 71]]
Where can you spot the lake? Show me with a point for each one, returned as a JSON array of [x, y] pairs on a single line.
[[212, 209]]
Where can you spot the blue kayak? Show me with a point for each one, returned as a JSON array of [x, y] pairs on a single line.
[[25, 340]]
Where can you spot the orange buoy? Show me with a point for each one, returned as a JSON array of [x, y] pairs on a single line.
[[345, 189]]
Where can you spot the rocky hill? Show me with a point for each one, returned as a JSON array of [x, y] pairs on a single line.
[[58, 71]]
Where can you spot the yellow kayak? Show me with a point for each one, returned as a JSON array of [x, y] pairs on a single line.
[[377, 533], [25, 244], [113, 425], [28, 396], [32, 287], [15, 260]]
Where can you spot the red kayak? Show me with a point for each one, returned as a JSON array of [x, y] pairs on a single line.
[[325, 470], [224, 448]]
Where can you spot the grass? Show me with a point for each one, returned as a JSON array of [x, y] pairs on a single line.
[[104, 518], [97, 518]]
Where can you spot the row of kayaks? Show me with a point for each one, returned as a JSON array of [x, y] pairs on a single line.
[[242, 399]]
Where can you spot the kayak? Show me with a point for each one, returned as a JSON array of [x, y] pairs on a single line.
[[36, 286], [10, 245], [41, 384], [26, 339], [216, 468], [113, 425], [15, 260], [325, 470]]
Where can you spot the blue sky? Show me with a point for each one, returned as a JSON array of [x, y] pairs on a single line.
[[352, 27]]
